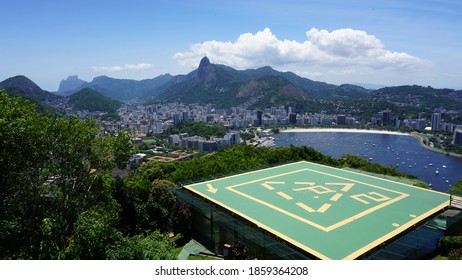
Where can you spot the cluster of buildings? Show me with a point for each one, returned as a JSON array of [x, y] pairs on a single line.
[[432, 123], [202, 144], [153, 119]]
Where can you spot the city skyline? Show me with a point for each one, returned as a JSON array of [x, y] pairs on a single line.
[[370, 42]]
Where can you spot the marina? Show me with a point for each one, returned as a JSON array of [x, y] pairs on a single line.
[[400, 151]]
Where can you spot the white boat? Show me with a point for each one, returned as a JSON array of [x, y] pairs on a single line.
[[436, 172], [444, 166]]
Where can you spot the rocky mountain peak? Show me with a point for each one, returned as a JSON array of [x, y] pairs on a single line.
[[71, 83], [201, 71]]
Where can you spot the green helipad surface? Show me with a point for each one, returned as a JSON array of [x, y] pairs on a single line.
[[331, 213]]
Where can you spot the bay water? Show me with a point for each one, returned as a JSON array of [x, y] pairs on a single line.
[[401, 151]]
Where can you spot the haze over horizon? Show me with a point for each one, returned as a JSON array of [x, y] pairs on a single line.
[[369, 42]]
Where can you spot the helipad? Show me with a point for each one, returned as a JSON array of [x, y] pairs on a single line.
[[328, 212]]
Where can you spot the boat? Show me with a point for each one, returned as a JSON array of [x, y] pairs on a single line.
[[436, 172], [431, 164], [444, 166]]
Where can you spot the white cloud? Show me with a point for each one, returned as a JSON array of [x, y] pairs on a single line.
[[339, 48], [125, 67]]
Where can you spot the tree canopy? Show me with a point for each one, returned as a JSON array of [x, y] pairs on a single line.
[[52, 171]]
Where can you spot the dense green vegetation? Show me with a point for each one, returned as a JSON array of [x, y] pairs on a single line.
[[246, 157], [271, 91], [41, 106], [425, 98], [54, 178], [24, 87], [456, 189], [91, 100]]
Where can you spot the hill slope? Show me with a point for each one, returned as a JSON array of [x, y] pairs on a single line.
[[26, 88], [91, 100], [225, 87]]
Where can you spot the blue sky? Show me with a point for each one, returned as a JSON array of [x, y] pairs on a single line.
[[351, 41]]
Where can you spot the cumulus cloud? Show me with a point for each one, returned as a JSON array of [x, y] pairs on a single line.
[[125, 67], [339, 48]]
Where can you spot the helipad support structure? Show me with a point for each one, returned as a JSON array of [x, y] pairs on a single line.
[[329, 213]]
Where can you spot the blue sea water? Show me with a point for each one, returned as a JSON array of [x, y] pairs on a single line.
[[403, 152]]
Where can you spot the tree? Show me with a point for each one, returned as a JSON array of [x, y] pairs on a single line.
[[93, 232], [153, 246], [456, 189], [180, 217], [52, 169], [447, 244], [145, 205], [455, 254]]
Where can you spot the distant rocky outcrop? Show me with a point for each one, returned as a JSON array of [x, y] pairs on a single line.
[[70, 84], [119, 89], [202, 70]]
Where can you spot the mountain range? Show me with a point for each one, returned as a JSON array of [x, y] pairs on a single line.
[[47, 102], [209, 83], [264, 87]]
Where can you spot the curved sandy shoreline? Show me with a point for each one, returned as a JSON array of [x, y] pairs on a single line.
[[350, 130]]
